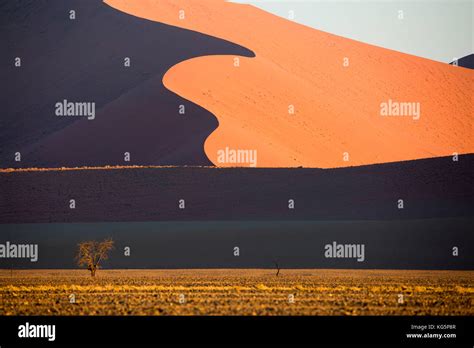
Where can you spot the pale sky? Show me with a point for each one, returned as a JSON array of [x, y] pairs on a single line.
[[436, 29]]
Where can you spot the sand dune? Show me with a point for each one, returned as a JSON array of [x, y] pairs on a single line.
[[431, 188], [82, 60], [337, 108], [465, 62]]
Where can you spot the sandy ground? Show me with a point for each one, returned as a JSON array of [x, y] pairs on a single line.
[[236, 292], [336, 107]]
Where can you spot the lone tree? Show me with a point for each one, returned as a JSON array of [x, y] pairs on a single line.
[[91, 253]]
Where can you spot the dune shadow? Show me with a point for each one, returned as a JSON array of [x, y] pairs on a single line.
[[85, 60]]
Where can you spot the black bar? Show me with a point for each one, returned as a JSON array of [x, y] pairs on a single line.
[[240, 330]]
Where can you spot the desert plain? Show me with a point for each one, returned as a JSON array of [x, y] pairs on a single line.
[[236, 292]]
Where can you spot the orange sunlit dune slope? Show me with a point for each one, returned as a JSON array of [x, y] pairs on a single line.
[[310, 98]]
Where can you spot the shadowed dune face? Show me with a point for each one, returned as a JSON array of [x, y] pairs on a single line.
[[308, 97], [466, 62], [82, 60], [431, 188]]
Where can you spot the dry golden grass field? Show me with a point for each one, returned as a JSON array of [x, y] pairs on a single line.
[[236, 292]]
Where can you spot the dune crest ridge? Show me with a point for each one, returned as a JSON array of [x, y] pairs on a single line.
[[310, 98]]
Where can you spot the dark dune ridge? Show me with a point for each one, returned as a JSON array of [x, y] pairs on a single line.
[[466, 62], [430, 188], [82, 60]]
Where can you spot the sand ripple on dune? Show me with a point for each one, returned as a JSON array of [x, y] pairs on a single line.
[[336, 108]]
